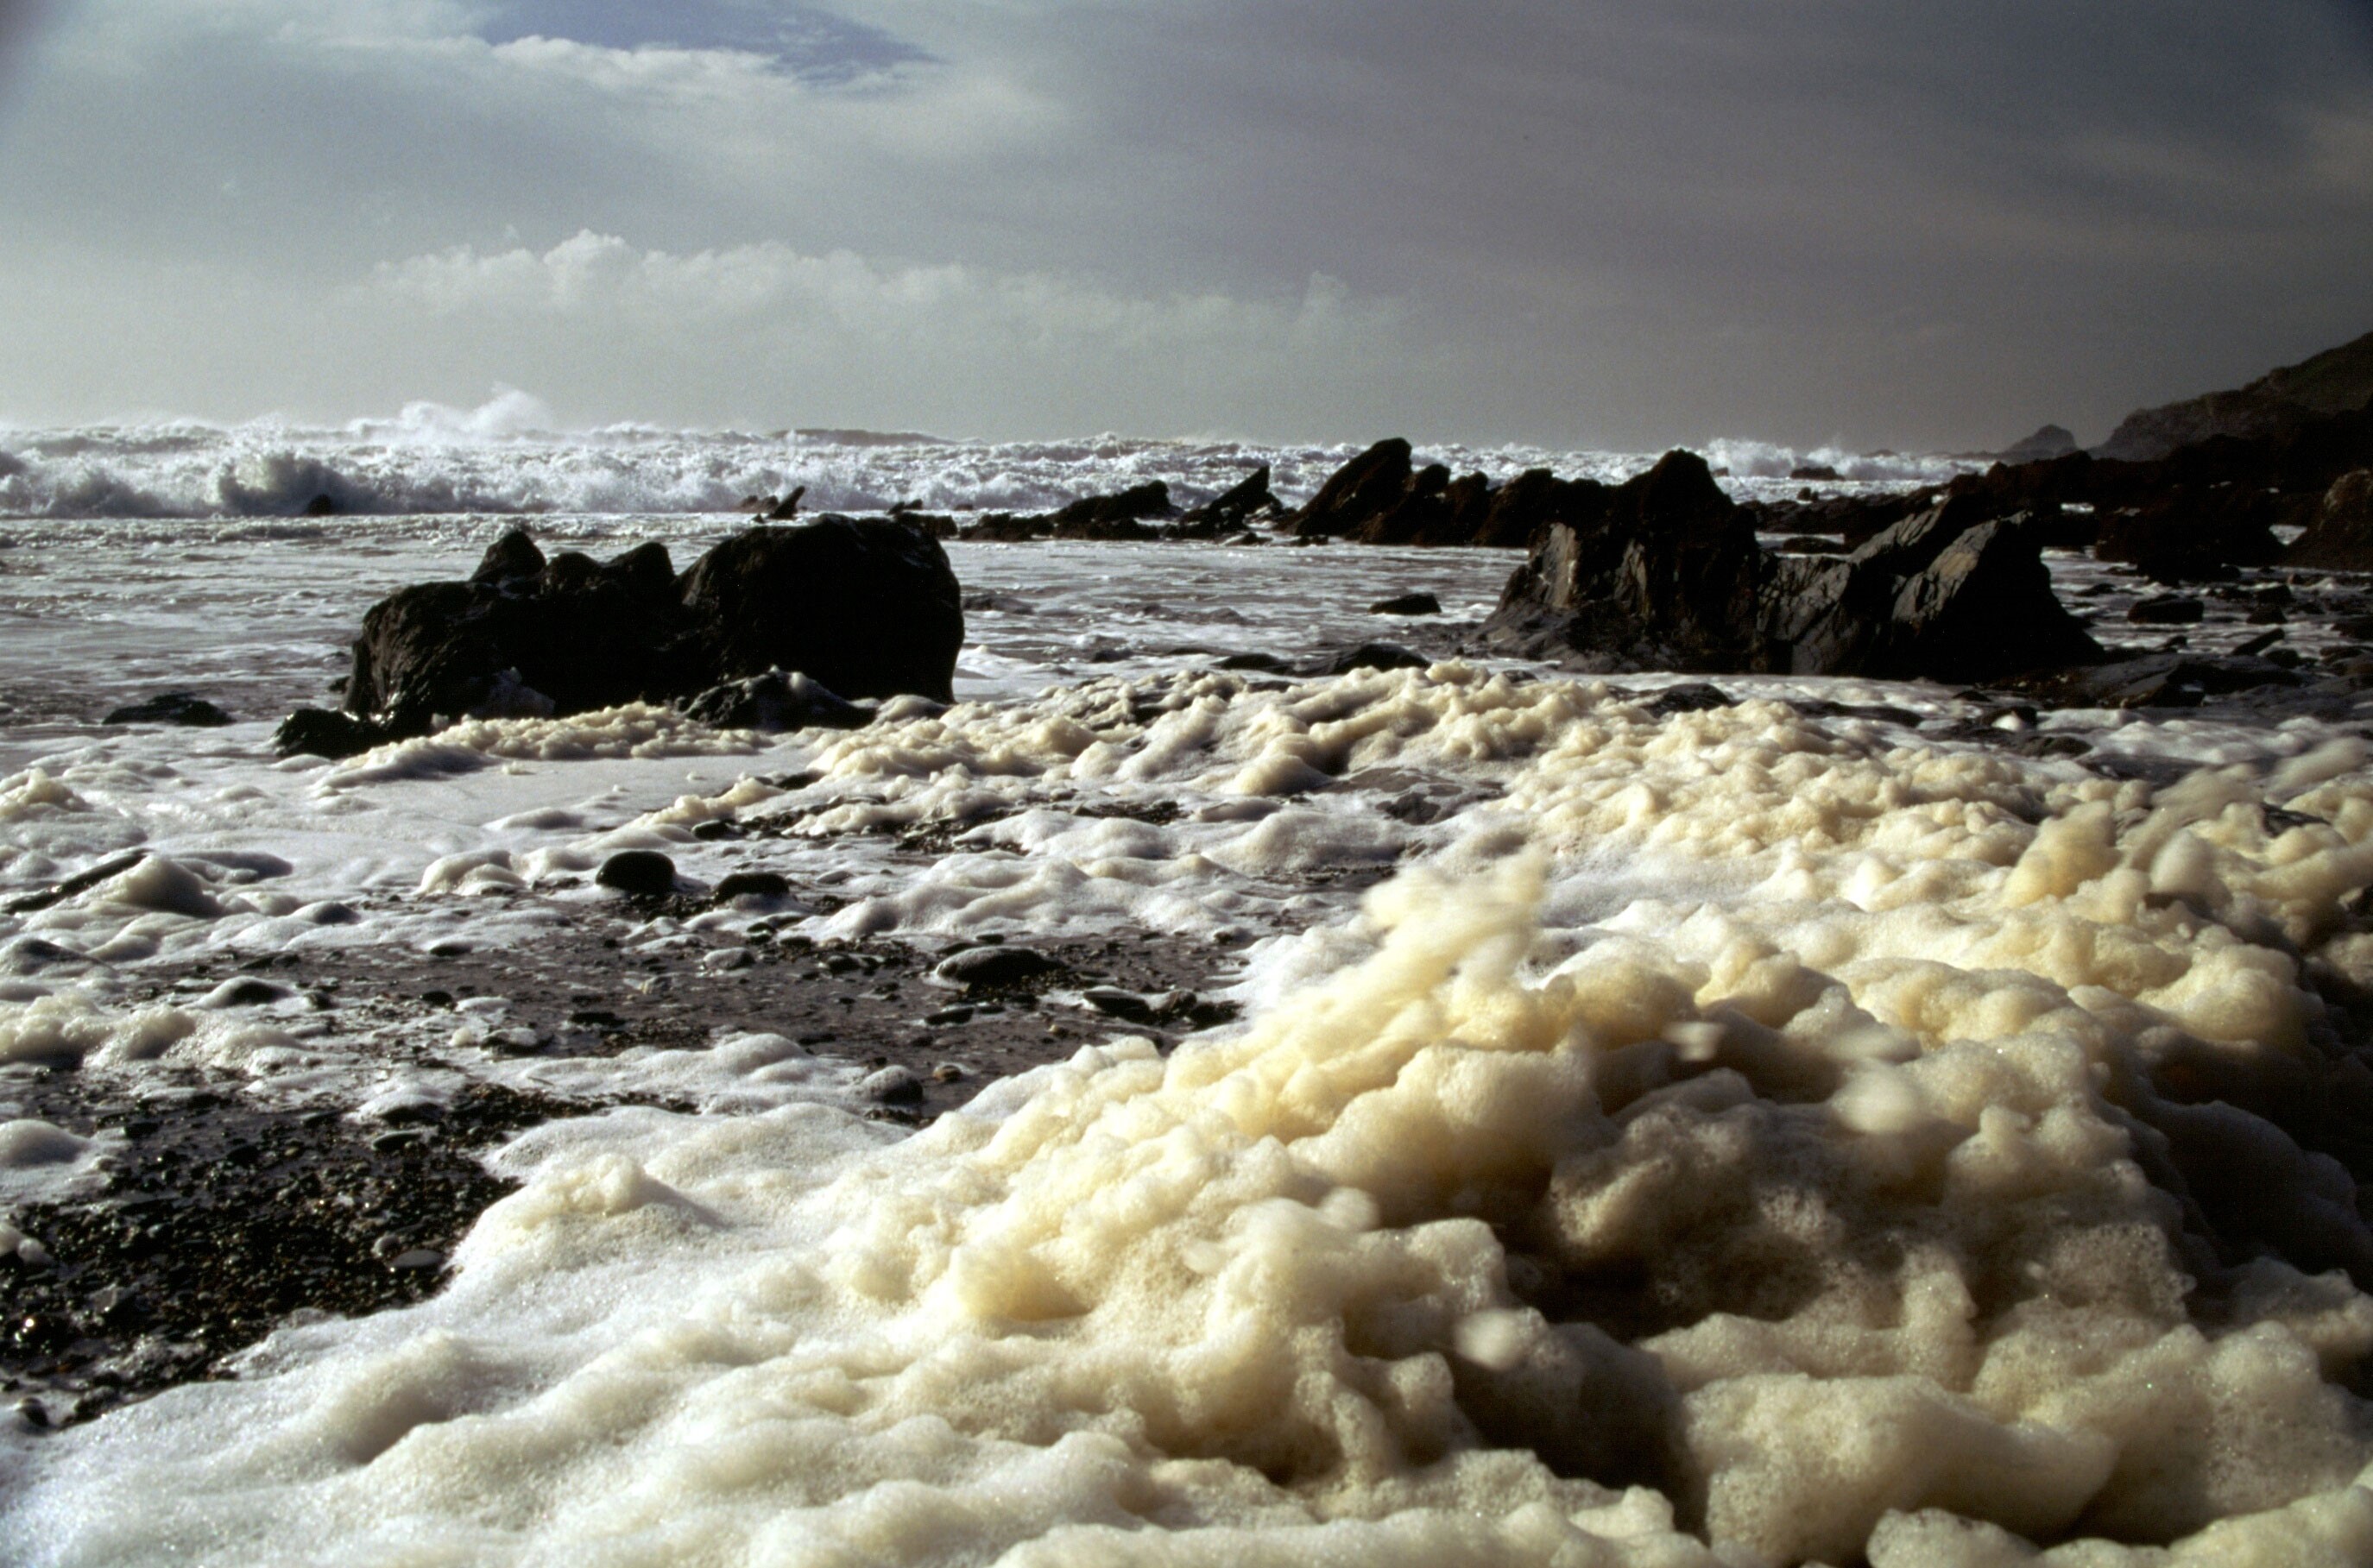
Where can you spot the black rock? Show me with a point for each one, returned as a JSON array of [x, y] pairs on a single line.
[[508, 559], [1232, 510], [1406, 604], [2339, 537], [752, 884], [1669, 577], [1265, 664], [870, 608], [2166, 610], [318, 732], [993, 967], [172, 707], [892, 1085], [1116, 516], [638, 873], [1372, 482], [1376, 656], [775, 702]]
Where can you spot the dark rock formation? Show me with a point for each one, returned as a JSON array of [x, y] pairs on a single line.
[[1234, 510], [776, 701], [571, 631], [1406, 604], [865, 609], [318, 732], [2340, 536], [2335, 381], [171, 707], [2188, 535], [1376, 656], [1118, 516], [1664, 577], [2046, 444], [1373, 482], [870, 609], [1669, 577]]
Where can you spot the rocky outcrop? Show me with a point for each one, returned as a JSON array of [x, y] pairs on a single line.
[[2052, 441], [870, 609], [1118, 516], [186, 708], [1371, 483], [2340, 536], [579, 632], [1664, 572], [1669, 577], [2188, 535], [861, 608], [1234, 510], [2335, 381]]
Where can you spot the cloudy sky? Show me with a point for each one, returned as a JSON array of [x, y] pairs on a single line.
[[1615, 222]]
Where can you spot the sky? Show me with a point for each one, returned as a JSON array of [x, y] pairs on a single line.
[[1926, 225]]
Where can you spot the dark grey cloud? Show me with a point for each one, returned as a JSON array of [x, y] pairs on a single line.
[[1920, 221]]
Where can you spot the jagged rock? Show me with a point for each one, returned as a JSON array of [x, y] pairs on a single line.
[[1370, 484], [1116, 516], [2052, 441], [1240, 507], [575, 632], [171, 707], [1664, 577], [1670, 578], [870, 608], [865, 609], [1817, 472], [786, 509], [774, 702], [2341, 536]]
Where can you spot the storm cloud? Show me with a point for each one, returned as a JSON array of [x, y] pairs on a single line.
[[1913, 224]]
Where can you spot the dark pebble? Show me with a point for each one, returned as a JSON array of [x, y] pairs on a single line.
[[995, 966], [1406, 604], [753, 883], [638, 873]]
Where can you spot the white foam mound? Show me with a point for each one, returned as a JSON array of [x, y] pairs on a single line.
[[1947, 1170]]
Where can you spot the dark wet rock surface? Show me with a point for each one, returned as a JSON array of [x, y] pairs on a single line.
[[224, 1213]]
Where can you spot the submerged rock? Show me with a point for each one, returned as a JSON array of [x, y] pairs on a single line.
[[171, 707]]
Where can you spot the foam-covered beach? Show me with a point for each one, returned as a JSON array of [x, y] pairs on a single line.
[[1462, 1114]]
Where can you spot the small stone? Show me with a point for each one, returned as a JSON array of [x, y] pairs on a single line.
[[753, 885], [1113, 1002], [418, 1259], [1406, 604], [892, 1085], [949, 1073], [995, 966], [638, 874], [959, 1014]]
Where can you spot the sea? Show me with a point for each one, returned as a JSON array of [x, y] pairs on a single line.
[[1623, 1120]]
